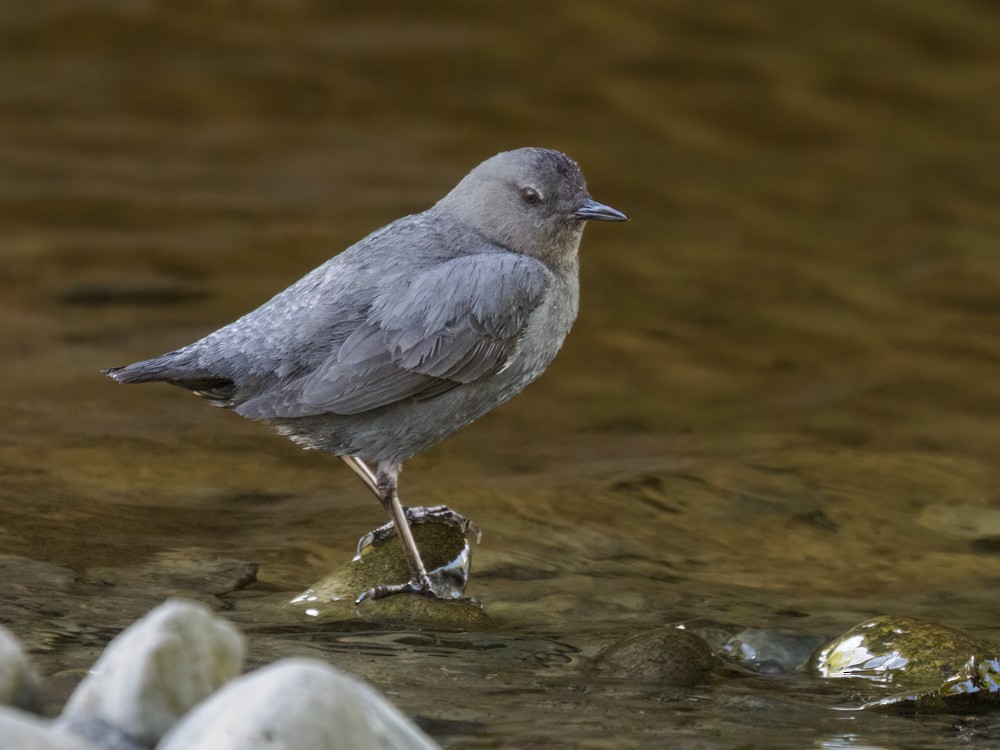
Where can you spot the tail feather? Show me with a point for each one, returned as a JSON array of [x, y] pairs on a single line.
[[147, 371], [166, 369]]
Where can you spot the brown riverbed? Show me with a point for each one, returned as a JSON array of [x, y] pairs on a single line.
[[780, 406]]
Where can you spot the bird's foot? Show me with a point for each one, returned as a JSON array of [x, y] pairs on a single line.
[[422, 586], [434, 514]]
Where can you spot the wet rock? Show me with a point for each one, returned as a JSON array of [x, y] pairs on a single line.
[[155, 671], [296, 704], [18, 679], [414, 611], [669, 656], [921, 664], [22, 731], [185, 569], [21, 576], [770, 651], [447, 556]]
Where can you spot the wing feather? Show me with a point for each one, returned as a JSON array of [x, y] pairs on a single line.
[[424, 334]]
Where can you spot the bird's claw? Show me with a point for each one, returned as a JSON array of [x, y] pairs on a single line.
[[416, 515], [410, 587]]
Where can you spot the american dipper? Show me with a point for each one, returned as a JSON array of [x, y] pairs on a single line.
[[409, 334]]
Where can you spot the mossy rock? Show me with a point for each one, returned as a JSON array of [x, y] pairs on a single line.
[[446, 555], [668, 656], [926, 666]]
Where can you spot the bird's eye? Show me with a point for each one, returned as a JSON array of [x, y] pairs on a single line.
[[530, 196]]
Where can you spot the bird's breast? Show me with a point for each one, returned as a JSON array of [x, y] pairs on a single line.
[[545, 330]]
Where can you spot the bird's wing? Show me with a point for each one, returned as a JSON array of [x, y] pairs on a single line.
[[424, 334]]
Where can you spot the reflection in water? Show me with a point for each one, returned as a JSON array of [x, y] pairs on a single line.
[[851, 658], [848, 742], [777, 409]]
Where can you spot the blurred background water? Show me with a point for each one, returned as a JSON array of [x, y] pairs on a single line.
[[779, 407]]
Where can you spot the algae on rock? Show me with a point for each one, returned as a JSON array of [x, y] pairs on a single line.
[[446, 554], [927, 666]]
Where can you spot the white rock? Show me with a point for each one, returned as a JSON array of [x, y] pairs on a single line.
[[296, 704], [23, 731], [18, 680], [156, 671]]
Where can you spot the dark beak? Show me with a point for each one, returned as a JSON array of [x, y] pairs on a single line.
[[594, 211]]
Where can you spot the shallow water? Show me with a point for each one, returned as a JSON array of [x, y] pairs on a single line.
[[778, 409]]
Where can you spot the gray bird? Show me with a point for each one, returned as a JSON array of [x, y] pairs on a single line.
[[409, 334]]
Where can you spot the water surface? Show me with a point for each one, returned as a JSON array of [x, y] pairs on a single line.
[[779, 406]]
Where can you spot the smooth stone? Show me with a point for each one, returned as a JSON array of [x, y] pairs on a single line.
[[29, 588], [669, 656], [185, 569], [18, 680], [414, 611], [770, 651], [20, 575], [23, 731], [926, 665], [296, 704], [156, 670], [446, 555]]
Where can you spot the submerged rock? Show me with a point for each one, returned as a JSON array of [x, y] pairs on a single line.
[[414, 611], [296, 704], [189, 569], [669, 656], [19, 575], [925, 665], [153, 673], [770, 651], [447, 556], [18, 679]]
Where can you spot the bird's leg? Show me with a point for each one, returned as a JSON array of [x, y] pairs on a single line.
[[387, 481], [364, 471], [433, 514]]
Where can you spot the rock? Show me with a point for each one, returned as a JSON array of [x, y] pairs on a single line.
[[188, 569], [155, 671], [668, 656], [22, 731], [446, 554], [21, 575], [924, 665], [296, 704], [29, 588], [770, 651], [18, 680], [414, 611]]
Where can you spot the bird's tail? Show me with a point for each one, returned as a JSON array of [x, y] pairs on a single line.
[[148, 371], [177, 369]]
